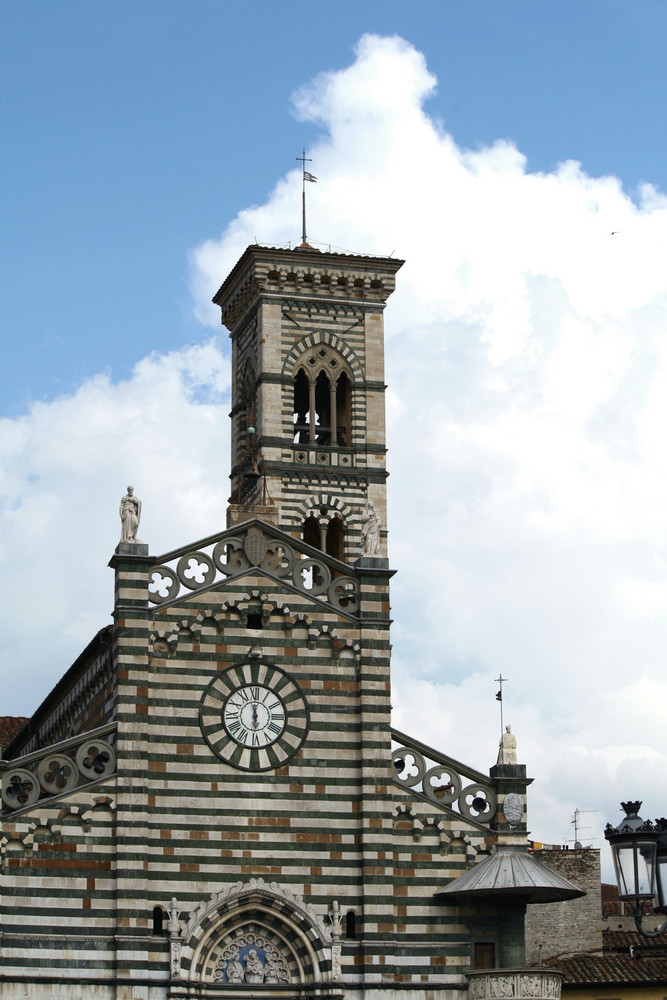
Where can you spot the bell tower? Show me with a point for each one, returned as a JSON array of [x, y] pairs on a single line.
[[308, 422]]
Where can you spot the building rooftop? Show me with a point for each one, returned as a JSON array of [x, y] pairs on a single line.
[[10, 726], [613, 968], [624, 940], [627, 958]]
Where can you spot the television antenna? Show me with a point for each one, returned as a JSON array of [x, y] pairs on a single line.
[[577, 827]]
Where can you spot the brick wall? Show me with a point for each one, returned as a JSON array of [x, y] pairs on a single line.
[[572, 926]]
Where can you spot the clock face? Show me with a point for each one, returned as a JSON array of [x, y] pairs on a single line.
[[254, 716]]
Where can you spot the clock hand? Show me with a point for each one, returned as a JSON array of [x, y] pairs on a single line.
[[255, 722]]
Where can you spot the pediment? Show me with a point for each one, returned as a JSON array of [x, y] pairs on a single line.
[[250, 548]]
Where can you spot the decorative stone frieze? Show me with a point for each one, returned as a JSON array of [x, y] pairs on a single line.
[[514, 984]]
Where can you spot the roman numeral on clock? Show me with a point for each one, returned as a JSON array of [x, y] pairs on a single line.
[[238, 731]]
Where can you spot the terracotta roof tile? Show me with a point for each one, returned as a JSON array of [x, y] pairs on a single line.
[[10, 726], [613, 940], [611, 968], [609, 892]]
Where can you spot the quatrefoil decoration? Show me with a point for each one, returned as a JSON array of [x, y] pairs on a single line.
[[195, 570], [57, 773], [163, 585]]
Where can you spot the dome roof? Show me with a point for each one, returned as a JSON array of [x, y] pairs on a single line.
[[510, 873]]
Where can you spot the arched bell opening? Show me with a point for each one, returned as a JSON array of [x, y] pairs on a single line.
[[343, 411], [322, 399], [301, 408], [322, 409]]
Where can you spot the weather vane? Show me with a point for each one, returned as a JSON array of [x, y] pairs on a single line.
[[307, 176], [499, 697]]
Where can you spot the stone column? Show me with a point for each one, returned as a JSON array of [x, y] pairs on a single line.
[[376, 771], [511, 783], [131, 563], [511, 934]]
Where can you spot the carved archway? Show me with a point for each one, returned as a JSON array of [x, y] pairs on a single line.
[[256, 933]]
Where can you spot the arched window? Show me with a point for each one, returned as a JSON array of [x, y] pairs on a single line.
[[246, 407], [254, 617], [336, 539], [311, 532], [322, 408], [249, 395], [350, 925], [158, 917], [327, 536]]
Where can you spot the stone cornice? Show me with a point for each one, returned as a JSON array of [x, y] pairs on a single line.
[[296, 275]]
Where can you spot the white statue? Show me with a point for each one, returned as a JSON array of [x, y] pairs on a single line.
[[370, 530], [271, 970], [254, 968], [336, 920], [507, 752], [130, 515], [234, 971], [173, 926]]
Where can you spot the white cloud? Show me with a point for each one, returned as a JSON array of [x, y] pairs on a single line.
[[527, 367], [65, 466]]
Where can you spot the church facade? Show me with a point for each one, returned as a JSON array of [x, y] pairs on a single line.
[[212, 801]]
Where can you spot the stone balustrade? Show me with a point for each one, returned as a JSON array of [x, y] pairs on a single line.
[[57, 769]]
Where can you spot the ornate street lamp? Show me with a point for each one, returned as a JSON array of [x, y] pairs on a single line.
[[639, 849]]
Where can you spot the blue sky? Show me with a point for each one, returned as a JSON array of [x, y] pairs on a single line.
[[132, 131], [496, 146]]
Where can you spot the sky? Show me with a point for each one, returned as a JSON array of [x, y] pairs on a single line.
[[515, 156]]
